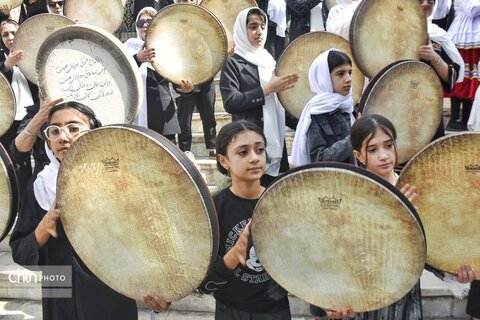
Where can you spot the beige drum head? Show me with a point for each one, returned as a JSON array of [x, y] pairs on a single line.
[[8, 193], [10, 3], [41, 25], [89, 65], [409, 94], [382, 32], [190, 43], [227, 11], [338, 237], [7, 105], [144, 222], [309, 46], [107, 15], [447, 176]]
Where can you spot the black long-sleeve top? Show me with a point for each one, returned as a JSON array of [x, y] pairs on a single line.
[[90, 298], [248, 288]]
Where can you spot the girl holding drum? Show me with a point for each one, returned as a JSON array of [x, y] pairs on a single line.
[[373, 140], [39, 238], [324, 126], [249, 85]]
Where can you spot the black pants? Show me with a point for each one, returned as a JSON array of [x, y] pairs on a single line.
[[222, 312], [473, 305], [205, 102]]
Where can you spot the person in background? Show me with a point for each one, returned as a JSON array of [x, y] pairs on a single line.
[[465, 34], [248, 85], [158, 110]]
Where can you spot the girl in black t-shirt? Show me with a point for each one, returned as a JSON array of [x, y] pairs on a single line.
[[241, 286]]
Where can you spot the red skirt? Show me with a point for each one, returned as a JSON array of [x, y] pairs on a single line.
[[467, 88]]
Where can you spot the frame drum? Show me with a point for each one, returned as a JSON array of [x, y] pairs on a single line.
[[190, 43], [8, 105], [409, 94], [89, 65], [40, 25], [309, 46], [447, 176], [227, 11], [338, 236], [8, 193], [385, 31], [11, 3], [137, 212], [107, 15]]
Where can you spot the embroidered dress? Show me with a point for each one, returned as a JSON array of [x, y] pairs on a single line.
[[465, 34]]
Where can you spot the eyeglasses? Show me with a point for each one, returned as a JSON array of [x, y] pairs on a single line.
[[427, 1], [53, 4], [141, 23], [71, 130]]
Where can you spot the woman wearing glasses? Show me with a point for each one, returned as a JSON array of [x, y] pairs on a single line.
[[158, 110], [39, 239], [55, 6]]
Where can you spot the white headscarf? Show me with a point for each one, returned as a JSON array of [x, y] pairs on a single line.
[[441, 37], [273, 112], [325, 101], [277, 11], [21, 90], [133, 45], [45, 186], [340, 18]]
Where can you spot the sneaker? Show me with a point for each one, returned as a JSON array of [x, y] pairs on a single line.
[[456, 126]]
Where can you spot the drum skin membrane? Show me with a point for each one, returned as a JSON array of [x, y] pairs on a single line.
[[338, 237]]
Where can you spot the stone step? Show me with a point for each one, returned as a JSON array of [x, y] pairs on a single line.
[[222, 118]]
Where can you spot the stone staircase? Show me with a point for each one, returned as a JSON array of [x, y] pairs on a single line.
[[24, 301]]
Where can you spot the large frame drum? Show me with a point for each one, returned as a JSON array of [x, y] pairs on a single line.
[[446, 174], [137, 212], [8, 193], [409, 94], [89, 65], [338, 236]]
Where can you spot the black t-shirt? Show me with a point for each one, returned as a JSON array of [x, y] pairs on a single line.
[[248, 288]]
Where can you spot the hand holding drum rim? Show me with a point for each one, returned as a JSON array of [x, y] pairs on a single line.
[[280, 83], [13, 58], [48, 225], [427, 53], [338, 314], [238, 253], [186, 86], [410, 192], [467, 274], [156, 303], [145, 55]]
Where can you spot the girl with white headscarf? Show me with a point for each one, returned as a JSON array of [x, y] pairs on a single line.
[[324, 126], [249, 87]]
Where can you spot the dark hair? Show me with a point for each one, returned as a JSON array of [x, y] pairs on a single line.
[[337, 58], [83, 109], [228, 134], [259, 12], [9, 21], [364, 128]]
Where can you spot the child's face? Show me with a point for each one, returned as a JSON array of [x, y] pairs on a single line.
[[246, 158], [379, 155], [256, 30], [342, 79]]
